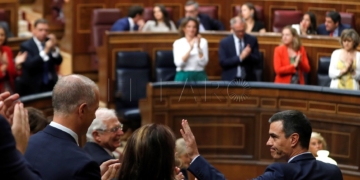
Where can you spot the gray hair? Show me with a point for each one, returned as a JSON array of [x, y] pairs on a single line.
[[71, 91], [192, 3], [101, 116], [350, 34], [237, 19]]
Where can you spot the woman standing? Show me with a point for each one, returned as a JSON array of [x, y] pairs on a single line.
[[190, 52], [290, 59], [344, 67], [161, 22]]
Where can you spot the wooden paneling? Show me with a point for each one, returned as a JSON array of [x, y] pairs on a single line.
[[316, 46], [11, 6], [14, 44], [232, 136], [77, 34]]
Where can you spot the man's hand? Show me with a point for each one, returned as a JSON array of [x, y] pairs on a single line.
[[191, 147], [112, 172], [52, 38], [9, 101], [105, 165], [20, 127], [246, 52]]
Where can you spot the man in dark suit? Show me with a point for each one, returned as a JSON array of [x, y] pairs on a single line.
[[103, 135], [332, 26], [238, 53], [14, 140], [133, 22], [290, 133], [55, 151], [38, 70], [206, 23]]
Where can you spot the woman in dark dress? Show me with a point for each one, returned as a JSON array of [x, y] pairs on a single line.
[[249, 15]]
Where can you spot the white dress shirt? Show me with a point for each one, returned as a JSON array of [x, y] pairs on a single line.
[[65, 129], [237, 49], [42, 54], [131, 23], [194, 63]]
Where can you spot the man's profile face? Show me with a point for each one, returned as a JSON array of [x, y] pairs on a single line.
[[110, 138], [191, 11], [330, 25], [280, 146]]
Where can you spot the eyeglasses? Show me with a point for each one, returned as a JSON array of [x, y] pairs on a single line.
[[113, 130]]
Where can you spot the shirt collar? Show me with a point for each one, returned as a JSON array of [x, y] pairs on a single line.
[[65, 129], [297, 156], [109, 152], [131, 23], [336, 32], [37, 42]]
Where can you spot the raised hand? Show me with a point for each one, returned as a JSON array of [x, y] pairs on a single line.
[[8, 105], [178, 174], [20, 127], [20, 58], [112, 172], [191, 147], [105, 165], [246, 52]]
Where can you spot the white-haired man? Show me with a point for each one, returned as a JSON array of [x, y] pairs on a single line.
[[103, 135]]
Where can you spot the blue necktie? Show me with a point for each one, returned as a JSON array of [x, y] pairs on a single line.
[[46, 71]]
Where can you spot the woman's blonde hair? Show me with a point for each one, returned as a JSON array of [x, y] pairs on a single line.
[[319, 137], [296, 43]]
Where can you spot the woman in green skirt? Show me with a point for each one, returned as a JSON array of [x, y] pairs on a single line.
[[190, 52]]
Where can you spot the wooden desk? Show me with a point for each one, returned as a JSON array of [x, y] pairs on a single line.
[[316, 46], [232, 132], [11, 6]]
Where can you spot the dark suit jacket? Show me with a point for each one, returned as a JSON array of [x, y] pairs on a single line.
[[12, 164], [57, 156], [303, 167], [97, 152], [208, 23], [123, 24], [229, 60], [322, 29], [33, 68]]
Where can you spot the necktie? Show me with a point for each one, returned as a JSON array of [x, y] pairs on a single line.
[[241, 69], [331, 34], [46, 71]]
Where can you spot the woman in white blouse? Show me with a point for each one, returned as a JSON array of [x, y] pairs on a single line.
[[190, 52], [344, 67], [161, 22]]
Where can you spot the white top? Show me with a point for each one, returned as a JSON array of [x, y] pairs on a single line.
[[194, 63], [42, 54], [297, 28], [131, 23], [65, 129], [334, 71], [237, 49], [151, 26]]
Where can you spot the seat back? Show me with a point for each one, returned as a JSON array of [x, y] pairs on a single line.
[[323, 78], [259, 10], [258, 68], [149, 11], [348, 18], [283, 18], [132, 75], [101, 21], [164, 66], [211, 11]]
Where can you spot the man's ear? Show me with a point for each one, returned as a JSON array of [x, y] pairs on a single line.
[[96, 136], [337, 24], [82, 109], [294, 139]]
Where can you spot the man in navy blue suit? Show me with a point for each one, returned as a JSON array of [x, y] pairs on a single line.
[[332, 26], [55, 151], [14, 139], [133, 22], [206, 23], [38, 70], [103, 135], [239, 53], [290, 133]]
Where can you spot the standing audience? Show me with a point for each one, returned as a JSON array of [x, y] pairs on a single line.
[[307, 25], [344, 69], [161, 22], [248, 13], [290, 59], [190, 52], [103, 135], [134, 21], [9, 69], [332, 26], [38, 70]]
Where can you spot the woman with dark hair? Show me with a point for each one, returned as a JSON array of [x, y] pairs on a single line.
[[190, 52], [290, 59], [149, 154], [161, 22], [307, 25], [249, 15], [8, 70]]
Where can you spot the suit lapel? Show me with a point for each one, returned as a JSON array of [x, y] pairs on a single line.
[[34, 46]]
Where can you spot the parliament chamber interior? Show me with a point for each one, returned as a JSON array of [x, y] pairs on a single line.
[[247, 61]]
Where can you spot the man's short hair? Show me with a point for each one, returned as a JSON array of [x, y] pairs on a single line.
[[294, 122], [237, 19], [71, 91], [192, 3], [335, 16], [40, 21], [101, 115], [135, 10]]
